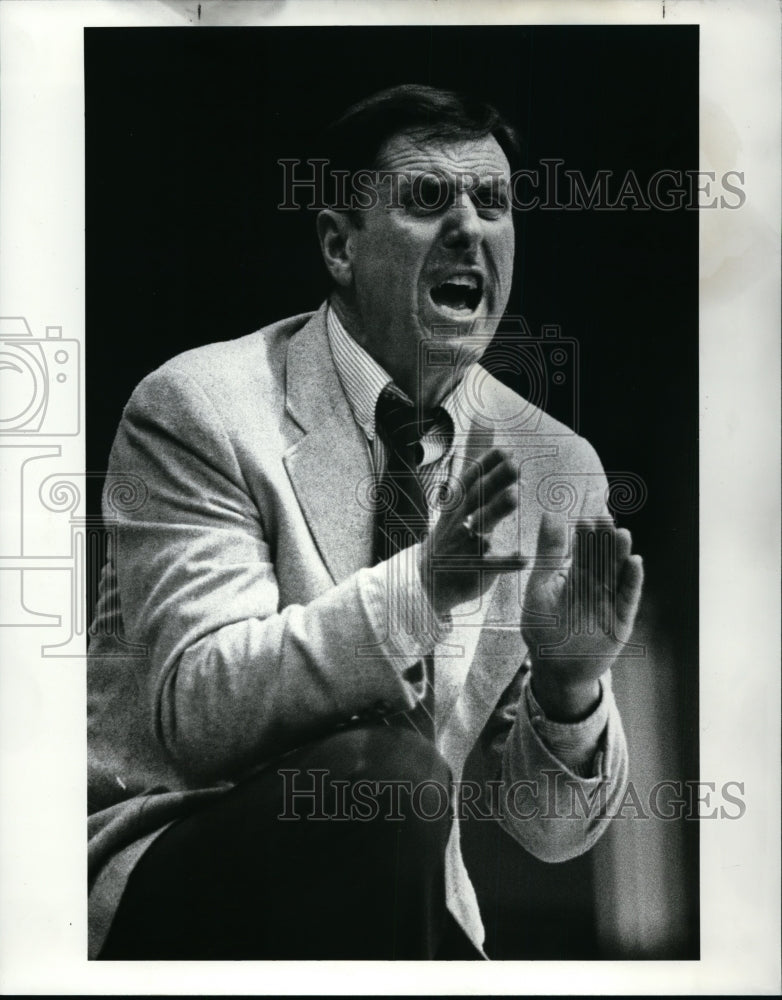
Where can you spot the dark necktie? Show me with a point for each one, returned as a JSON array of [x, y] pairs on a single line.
[[401, 521]]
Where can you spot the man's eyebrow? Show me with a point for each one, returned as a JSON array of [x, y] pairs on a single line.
[[494, 185], [489, 180]]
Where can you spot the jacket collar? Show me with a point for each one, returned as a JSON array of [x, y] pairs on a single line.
[[330, 466], [313, 390]]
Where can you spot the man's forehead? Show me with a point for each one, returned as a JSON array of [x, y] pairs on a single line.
[[409, 153]]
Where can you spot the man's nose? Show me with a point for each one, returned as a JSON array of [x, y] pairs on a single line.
[[463, 225]]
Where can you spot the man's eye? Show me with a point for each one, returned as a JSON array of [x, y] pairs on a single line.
[[428, 194], [491, 202]]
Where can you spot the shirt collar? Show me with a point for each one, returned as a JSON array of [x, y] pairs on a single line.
[[363, 379]]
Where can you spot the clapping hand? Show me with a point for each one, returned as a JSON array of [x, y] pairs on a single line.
[[457, 563], [579, 609]]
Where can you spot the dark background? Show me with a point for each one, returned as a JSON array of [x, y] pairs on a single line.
[[185, 246]]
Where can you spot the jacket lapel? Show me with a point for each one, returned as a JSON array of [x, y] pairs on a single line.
[[329, 467]]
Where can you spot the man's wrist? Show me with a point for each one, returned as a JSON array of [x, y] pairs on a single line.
[[439, 617], [437, 597], [565, 702]]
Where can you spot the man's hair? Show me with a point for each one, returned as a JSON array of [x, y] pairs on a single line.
[[353, 141]]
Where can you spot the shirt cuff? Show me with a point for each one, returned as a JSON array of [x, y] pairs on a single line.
[[400, 611], [575, 744]]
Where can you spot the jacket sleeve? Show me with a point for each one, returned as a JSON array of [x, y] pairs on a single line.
[[559, 782], [232, 677], [555, 811]]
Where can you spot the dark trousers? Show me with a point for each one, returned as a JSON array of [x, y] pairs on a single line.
[[355, 870]]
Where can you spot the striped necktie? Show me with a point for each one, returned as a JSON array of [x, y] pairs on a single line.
[[402, 520]]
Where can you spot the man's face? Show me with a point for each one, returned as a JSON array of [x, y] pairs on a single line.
[[434, 257]]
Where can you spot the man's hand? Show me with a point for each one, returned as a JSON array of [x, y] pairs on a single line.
[[579, 609], [489, 493]]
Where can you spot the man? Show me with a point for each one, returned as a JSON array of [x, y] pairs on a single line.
[[327, 586]]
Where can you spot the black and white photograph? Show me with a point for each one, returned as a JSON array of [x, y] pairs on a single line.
[[246, 582], [387, 519]]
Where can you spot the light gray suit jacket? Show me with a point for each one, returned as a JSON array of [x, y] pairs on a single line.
[[238, 594]]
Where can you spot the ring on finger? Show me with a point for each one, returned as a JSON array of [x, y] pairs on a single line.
[[468, 524]]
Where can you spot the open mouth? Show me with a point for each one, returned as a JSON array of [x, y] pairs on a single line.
[[461, 293]]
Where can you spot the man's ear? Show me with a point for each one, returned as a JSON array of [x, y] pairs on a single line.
[[334, 230]]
